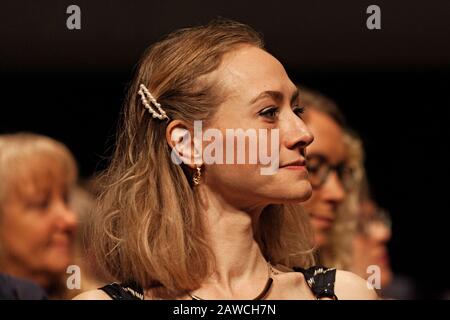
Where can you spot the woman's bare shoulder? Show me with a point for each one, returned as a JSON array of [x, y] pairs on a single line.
[[92, 295], [349, 286]]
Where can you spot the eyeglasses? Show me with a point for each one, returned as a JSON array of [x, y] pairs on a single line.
[[380, 217], [319, 170]]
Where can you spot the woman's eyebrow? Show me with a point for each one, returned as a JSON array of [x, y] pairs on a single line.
[[276, 95]]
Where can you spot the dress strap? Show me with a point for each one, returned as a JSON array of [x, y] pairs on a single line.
[[321, 281], [123, 292]]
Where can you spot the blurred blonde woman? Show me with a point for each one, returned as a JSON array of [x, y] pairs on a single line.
[[340, 253], [36, 224], [200, 230], [335, 164]]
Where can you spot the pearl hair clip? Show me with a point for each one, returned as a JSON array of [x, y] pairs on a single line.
[[144, 93]]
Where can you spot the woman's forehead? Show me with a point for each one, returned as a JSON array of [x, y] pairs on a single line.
[[40, 175], [249, 70], [328, 137]]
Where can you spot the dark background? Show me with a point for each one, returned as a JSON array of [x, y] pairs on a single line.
[[393, 85]]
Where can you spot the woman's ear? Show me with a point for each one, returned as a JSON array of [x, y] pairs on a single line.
[[184, 150]]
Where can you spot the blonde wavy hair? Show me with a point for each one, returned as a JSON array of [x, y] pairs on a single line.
[[148, 226], [338, 252]]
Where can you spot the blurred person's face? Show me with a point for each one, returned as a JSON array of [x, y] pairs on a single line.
[[370, 243], [328, 149], [261, 97], [37, 228]]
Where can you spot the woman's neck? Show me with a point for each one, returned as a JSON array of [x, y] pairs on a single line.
[[238, 258]]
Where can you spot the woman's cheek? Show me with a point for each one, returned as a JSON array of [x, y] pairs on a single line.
[[38, 233]]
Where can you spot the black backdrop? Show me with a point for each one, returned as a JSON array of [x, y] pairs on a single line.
[[393, 85]]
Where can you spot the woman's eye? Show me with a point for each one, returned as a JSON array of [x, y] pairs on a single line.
[[66, 197], [269, 112], [313, 168], [39, 204], [299, 110]]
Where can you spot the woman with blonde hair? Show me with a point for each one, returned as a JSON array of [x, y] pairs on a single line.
[[339, 252], [37, 226], [335, 162], [171, 224]]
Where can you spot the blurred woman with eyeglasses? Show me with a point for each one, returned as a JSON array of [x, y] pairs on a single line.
[[351, 231], [331, 207]]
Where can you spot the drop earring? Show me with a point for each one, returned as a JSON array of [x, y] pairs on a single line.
[[197, 176]]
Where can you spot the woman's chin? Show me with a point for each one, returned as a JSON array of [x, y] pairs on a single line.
[[297, 192], [59, 263], [303, 189]]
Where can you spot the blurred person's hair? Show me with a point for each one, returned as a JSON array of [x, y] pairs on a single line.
[[82, 201], [24, 155], [148, 227], [312, 99]]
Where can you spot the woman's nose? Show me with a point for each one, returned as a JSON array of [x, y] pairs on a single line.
[[66, 218], [297, 134], [380, 232], [335, 191]]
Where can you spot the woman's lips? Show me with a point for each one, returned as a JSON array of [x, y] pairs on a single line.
[[60, 243], [383, 258], [324, 222], [299, 164], [298, 171], [295, 168]]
